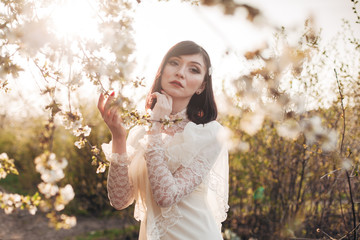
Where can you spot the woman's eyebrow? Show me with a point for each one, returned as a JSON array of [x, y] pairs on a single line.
[[193, 62]]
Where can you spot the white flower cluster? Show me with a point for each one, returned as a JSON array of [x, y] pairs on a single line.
[[85, 130], [73, 121], [66, 194], [6, 166], [312, 129], [61, 221], [48, 189], [289, 129], [33, 36], [233, 143], [9, 202], [51, 170], [230, 235], [315, 132], [102, 167], [67, 221]]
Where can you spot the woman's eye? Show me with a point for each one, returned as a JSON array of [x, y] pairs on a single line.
[[173, 62], [194, 70]]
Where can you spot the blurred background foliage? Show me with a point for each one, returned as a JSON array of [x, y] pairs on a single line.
[[282, 185]]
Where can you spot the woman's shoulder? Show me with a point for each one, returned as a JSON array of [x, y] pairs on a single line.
[[211, 127], [136, 133], [203, 134]]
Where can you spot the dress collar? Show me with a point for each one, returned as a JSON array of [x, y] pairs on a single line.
[[180, 115]]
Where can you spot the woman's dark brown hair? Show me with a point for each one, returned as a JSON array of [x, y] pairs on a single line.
[[202, 107]]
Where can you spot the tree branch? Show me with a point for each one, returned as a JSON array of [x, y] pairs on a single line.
[[341, 154]]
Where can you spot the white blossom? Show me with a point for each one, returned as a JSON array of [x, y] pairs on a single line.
[[59, 206], [8, 209], [33, 35], [67, 193], [53, 175], [314, 131], [82, 130], [330, 141], [251, 122], [48, 189], [289, 129], [101, 168], [347, 164], [80, 144], [68, 221], [32, 210], [312, 128], [50, 168]]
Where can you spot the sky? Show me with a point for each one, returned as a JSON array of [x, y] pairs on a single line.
[[159, 25]]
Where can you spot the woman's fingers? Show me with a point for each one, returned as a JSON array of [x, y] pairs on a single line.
[[163, 105], [160, 99], [109, 101], [168, 97], [156, 95], [163, 97], [103, 107], [111, 115], [101, 104]]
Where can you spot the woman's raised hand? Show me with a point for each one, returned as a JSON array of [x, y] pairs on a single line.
[[163, 106], [111, 116]]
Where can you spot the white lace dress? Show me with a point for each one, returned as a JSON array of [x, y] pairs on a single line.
[[185, 180]]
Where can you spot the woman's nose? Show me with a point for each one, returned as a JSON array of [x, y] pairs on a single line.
[[180, 72]]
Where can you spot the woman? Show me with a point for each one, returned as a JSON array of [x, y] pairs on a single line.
[[177, 173]]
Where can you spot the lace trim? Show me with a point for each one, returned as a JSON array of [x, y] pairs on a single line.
[[182, 114], [168, 218], [116, 158], [217, 179], [120, 190], [216, 183]]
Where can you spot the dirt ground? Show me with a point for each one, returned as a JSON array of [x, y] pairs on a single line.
[[22, 225]]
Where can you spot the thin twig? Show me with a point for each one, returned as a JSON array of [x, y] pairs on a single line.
[[329, 173], [341, 154], [352, 202], [347, 234], [96, 155], [68, 87], [319, 230], [343, 112]]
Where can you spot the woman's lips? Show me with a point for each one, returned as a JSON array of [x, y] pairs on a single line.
[[177, 83]]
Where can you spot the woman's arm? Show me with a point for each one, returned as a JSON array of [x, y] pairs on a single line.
[[120, 190], [168, 188]]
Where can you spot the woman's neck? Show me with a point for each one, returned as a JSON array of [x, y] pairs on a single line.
[[178, 106]]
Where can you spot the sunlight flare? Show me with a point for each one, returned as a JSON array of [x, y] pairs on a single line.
[[75, 19]]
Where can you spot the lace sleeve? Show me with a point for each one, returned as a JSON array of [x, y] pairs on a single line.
[[120, 190], [169, 188]]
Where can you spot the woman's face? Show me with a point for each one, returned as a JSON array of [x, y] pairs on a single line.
[[183, 76]]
